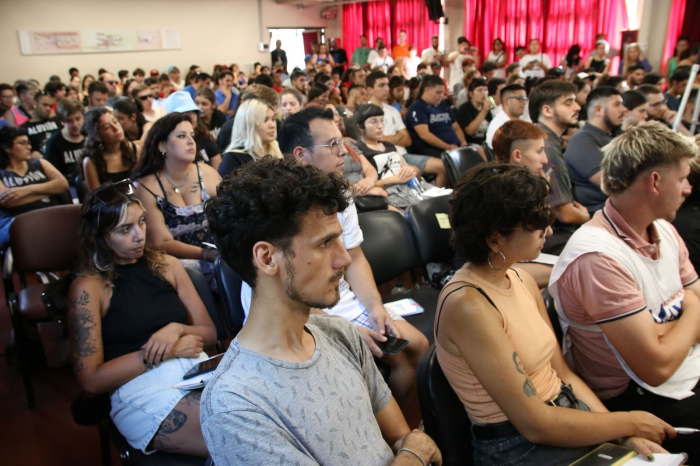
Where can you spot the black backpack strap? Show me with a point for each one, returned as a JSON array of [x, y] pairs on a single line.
[[483, 293]]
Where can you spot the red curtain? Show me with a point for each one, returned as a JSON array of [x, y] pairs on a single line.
[[692, 13], [558, 24], [675, 26], [385, 18]]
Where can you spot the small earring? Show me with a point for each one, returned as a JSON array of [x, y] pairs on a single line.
[[102, 146], [504, 261], [162, 153]]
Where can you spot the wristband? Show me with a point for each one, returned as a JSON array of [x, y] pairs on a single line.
[[414, 453]]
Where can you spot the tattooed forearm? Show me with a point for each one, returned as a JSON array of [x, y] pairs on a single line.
[[528, 388], [83, 330]]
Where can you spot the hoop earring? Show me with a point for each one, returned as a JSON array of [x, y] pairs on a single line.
[[504, 261]]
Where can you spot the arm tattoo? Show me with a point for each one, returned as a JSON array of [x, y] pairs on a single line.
[[528, 388], [82, 327]]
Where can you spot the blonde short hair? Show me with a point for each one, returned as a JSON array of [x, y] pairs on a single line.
[[640, 148], [249, 116]]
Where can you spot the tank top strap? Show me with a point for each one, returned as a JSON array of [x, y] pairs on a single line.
[[465, 285], [165, 195], [201, 183]]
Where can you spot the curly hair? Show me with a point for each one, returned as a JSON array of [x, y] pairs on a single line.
[[266, 201], [95, 257], [496, 198]]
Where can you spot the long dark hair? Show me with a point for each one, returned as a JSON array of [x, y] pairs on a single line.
[[93, 145], [99, 219], [8, 134], [128, 107], [573, 56], [152, 159]]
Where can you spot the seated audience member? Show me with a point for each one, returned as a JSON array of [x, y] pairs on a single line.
[[175, 78], [73, 93], [226, 93], [657, 109], [166, 86], [20, 114], [633, 56], [146, 99], [85, 86], [254, 136], [139, 75], [637, 109], [470, 73], [181, 102], [655, 79], [357, 95], [393, 171], [555, 109], [598, 61], [299, 81], [397, 94], [175, 210], [395, 131], [57, 90], [112, 85], [288, 251], [676, 88], [312, 138], [42, 125], [635, 76], [495, 342], [383, 60], [199, 81], [253, 91], [7, 101], [513, 69], [687, 117], [211, 117], [64, 149], [132, 121], [495, 86], [26, 183], [513, 102], [584, 153], [96, 95], [319, 91], [474, 116], [431, 121], [688, 217], [291, 101], [626, 292], [107, 155], [137, 326]]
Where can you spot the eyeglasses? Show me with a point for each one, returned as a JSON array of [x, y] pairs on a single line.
[[112, 82], [111, 194], [145, 97], [23, 142], [519, 97], [334, 146]]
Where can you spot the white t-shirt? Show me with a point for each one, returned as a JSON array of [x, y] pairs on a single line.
[[349, 306], [410, 66], [385, 62], [372, 55], [393, 123], [500, 72], [498, 121], [456, 71], [428, 55], [535, 71]]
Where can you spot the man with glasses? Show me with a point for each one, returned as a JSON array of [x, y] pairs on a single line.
[[112, 84], [312, 138], [658, 110], [513, 102], [41, 126]]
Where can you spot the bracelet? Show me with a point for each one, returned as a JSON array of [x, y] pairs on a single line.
[[411, 451]]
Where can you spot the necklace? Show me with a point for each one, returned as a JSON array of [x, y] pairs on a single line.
[[175, 187]]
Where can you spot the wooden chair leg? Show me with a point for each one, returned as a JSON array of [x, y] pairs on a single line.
[[22, 346]]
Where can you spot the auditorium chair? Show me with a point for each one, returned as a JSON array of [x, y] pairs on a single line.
[[444, 417], [553, 316], [229, 285], [459, 161], [490, 156], [390, 250], [43, 240]]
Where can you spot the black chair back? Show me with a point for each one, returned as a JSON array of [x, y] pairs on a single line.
[[459, 161], [229, 284], [553, 315], [207, 297], [490, 156], [388, 244], [432, 240], [444, 416]]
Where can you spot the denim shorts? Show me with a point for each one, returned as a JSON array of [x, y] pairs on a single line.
[[141, 405], [418, 160]]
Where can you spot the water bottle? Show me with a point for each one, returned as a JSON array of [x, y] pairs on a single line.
[[415, 187]]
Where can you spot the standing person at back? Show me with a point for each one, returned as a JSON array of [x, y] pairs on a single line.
[[626, 291], [433, 52], [585, 150], [455, 60], [279, 55], [536, 63], [359, 56], [400, 50]]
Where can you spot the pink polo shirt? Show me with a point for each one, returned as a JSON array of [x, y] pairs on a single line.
[[596, 289]]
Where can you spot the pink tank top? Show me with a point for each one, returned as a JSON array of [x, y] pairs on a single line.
[[20, 119], [531, 336]]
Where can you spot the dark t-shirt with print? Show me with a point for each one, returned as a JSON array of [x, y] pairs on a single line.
[[35, 175], [64, 155], [465, 115], [218, 118], [207, 148], [40, 131], [439, 120]]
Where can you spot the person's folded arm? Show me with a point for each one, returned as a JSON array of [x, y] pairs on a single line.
[[400, 138], [572, 213]]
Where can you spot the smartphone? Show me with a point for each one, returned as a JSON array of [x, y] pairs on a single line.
[[392, 345], [532, 62], [493, 102], [203, 367]]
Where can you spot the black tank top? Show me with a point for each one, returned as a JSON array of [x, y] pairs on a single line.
[[141, 305]]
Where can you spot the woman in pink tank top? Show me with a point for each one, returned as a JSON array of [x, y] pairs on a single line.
[[495, 342]]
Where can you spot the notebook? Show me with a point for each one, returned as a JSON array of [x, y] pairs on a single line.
[[404, 307], [614, 455]]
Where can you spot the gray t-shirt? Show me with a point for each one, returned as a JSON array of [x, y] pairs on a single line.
[[260, 410]]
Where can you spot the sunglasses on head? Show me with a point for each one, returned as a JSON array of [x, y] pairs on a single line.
[[111, 194]]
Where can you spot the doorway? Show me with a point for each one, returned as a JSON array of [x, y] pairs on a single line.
[[296, 43]]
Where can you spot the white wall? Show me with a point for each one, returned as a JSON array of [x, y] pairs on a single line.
[[213, 31], [652, 30]]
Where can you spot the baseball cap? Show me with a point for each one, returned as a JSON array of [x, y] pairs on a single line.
[[180, 102], [154, 72]]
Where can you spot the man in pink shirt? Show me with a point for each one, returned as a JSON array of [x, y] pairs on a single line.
[[626, 292]]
